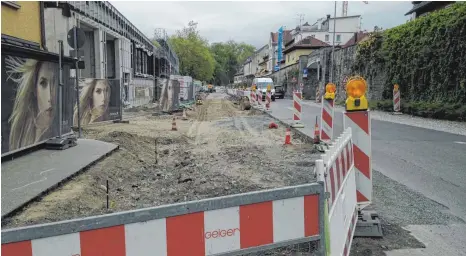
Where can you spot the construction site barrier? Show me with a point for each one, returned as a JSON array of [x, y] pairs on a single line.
[[297, 106], [228, 225], [326, 131], [396, 99], [360, 124], [336, 169]]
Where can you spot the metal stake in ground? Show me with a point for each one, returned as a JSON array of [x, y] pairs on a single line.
[[155, 151], [107, 196]]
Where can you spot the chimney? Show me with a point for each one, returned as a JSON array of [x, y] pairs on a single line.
[[328, 16]]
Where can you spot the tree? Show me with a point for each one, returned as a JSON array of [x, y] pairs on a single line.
[[193, 52], [229, 58]]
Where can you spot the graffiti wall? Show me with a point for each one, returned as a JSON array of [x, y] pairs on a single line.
[[99, 100], [30, 102]]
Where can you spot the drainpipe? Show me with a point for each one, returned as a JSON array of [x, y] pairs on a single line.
[[42, 26]]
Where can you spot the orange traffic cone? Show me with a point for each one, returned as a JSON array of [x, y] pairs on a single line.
[[288, 137], [174, 125], [316, 133]]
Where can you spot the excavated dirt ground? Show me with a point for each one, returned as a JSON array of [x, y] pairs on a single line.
[[218, 151]]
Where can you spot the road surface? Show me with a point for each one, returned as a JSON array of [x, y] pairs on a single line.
[[429, 162]]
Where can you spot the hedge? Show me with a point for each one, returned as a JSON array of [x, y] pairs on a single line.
[[426, 57]]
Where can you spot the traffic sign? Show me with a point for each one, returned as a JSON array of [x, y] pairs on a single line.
[[305, 72], [301, 86], [345, 79]]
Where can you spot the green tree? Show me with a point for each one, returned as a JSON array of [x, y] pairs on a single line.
[[193, 52], [229, 57]]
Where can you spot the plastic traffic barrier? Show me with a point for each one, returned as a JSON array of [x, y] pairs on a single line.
[[336, 169], [241, 223]]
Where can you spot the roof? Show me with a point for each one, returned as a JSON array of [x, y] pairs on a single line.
[[356, 38], [286, 36], [420, 5], [307, 43]]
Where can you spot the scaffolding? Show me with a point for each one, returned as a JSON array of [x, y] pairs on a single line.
[[167, 59]]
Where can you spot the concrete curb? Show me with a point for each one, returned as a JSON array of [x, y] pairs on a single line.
[[296, 133]]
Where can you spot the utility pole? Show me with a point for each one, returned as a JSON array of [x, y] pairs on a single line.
[[333, 43]]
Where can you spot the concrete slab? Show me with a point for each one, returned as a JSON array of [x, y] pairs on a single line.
[[439, 240], [29, 176]]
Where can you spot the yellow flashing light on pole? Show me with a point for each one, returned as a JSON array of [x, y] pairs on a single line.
[[356, 90], [396, 87], [269, 88], [330, 90], [253, 88]]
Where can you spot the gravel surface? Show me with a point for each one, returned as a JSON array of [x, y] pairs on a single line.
[[434, 124], [399, 206], [218, 151]]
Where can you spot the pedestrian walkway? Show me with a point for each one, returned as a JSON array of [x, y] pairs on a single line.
[[28, 176]]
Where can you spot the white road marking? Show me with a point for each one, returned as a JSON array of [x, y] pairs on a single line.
[[461, 142], [42, 172], [29, 184], [37, 181]]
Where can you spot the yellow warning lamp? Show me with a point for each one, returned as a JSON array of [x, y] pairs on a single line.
[[269, 88], [253, 88], [355, 90], [330, 90], [396, 87]]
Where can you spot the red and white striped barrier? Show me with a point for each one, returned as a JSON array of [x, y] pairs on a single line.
[[336, 170], [268, 99], [318, 96], [297, 106], [252, 97], [259, 98], [326, 121], [396, 100], [360, 124], [231, 224]]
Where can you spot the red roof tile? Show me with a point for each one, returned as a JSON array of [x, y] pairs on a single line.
[[357, 37]]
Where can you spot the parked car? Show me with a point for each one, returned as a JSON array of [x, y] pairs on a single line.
[[279, 92]]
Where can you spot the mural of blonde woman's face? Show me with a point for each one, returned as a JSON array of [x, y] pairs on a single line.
[[44, 92], [99, 95]]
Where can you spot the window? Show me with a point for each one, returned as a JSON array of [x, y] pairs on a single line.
[[313, 35], [327, 38], [338, 38]]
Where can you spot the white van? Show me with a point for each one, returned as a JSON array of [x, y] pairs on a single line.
[[261, 84]]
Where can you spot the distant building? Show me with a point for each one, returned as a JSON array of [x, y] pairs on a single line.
[[322, 29], [422, 8], [303, 47]]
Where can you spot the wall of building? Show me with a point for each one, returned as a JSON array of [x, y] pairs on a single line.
[[292, 57], [23, 22]]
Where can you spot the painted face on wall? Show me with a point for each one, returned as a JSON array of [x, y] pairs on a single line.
[[44, 91], [99, 95]]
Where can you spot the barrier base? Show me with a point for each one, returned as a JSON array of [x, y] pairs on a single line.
[[368, 224], [297, 125], [61, 143], [121, 121]]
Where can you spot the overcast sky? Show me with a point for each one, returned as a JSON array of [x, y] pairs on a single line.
[[252, 22]]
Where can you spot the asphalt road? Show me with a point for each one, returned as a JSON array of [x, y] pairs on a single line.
[[429, 163]]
